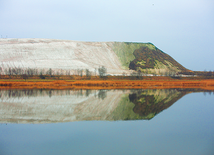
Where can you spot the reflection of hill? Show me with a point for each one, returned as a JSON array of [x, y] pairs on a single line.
[[145, 104], [152, 102], [48, 106], [38, 106]]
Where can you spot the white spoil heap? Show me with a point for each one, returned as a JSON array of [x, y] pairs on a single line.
[[58, 54]]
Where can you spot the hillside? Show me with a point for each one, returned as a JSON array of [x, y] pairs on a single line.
[[154, 61], [65, 55], [147, 58]]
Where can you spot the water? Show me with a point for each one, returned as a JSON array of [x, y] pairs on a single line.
[[107, 122]]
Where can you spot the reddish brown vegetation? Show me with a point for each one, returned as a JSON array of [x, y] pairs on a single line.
[[109, 84]]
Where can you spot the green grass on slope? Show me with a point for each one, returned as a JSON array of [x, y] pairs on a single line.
[[125, 50], [124, 110]]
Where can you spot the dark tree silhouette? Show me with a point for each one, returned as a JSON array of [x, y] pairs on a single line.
[[102, 71]]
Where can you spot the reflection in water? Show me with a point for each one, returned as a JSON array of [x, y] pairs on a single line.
[[13, 93], [48, 106], [151, 102]]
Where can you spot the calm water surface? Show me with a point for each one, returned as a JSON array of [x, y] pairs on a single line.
[[107, 122]]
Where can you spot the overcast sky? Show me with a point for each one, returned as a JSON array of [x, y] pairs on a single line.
[[183, 29]]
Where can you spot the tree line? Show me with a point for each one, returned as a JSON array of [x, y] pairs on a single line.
[[100, 72], [28, 72]]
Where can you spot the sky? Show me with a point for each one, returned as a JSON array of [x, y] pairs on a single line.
[[184, 29]]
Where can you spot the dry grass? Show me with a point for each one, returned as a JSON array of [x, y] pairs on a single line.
[[108, 84]]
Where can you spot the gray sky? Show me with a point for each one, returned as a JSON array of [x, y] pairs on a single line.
[[183, 29]]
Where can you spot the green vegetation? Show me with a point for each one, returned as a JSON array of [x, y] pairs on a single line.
[[142, 100], [151, 59], [148, 103], [125, 50], [147, 58], [159, 65], [159, 95], [124, 110], [142, 62]]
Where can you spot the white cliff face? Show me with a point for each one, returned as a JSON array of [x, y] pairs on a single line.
[[65, 106], [58, 54]]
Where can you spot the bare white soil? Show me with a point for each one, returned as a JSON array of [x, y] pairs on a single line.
[[58, 54]]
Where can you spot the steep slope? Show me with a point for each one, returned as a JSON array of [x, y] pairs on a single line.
[[154, 60]]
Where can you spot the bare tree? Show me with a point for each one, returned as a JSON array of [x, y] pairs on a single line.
[[24, 76], [41, 75], [139, 73], [81, 71], [67, 72], [6, 71], [61, 72], [10, 71], [19, 71], [29, 72], [95, 71], [133, 75], [102, 71], [35, 71], [102, 94], [50, 72], [88, 74]]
